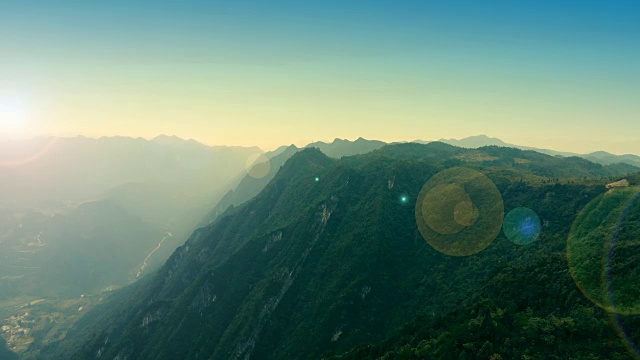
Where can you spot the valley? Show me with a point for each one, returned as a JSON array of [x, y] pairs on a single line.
[[29, 324]]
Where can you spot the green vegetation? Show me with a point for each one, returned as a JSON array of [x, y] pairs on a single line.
[[5, 352], [337, 268], [603, 249]]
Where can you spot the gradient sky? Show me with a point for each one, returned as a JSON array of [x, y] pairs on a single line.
[[556, 74]]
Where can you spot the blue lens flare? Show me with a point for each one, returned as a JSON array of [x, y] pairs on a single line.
[[522, 226]]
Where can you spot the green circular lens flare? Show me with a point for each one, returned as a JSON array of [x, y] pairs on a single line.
[[626, 333], [603, 251], [522, 226], [459, 211]]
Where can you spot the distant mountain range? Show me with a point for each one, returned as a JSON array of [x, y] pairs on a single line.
[[600, 157], [79, 215], [247, 187], [43, 171]]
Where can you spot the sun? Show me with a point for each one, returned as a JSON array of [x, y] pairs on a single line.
[[12, 114]]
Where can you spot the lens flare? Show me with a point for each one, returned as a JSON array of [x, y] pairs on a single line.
[[11, 156], [13, 112], [459, 211], [522, 226], [625, 332], [603, 251]]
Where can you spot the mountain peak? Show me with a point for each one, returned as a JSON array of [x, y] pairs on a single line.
[[475, 141], [481, 136], [310, 152], [601, 153], [309, 155], [168, 139], [284, 148]]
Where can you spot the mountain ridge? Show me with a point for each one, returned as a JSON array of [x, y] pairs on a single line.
[[602, 157], [281, 276]]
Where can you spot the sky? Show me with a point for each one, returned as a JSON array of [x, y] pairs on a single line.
[[556, 74]]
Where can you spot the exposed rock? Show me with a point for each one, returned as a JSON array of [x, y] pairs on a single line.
[[618, 184]]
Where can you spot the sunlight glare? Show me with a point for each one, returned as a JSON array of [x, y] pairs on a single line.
[[12, 114]]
